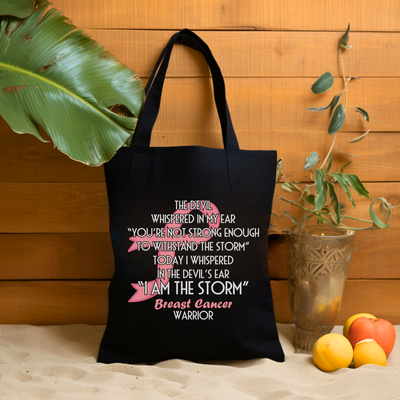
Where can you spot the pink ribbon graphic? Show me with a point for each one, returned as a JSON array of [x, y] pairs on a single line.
[[140, 290]]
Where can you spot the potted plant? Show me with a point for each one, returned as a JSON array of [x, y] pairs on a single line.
[[55, 77], [318, 255]]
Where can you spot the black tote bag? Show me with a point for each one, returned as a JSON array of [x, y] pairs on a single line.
[[189, 227]]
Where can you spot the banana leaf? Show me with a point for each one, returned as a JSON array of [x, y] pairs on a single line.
[[17, 8], [56, 76]]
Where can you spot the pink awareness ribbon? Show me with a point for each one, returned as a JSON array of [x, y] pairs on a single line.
[[140, 290]]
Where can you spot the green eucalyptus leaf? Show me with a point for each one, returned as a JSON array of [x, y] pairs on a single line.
[[341, 169], [294, 187], [322, 108], [55, 75], [362, 112], [17, 8], [358, 138], [342, 182], [286, 187], [377, 222], [347, 154], [335, 203], [311, 160], [344, 40], [328, 168], [323, 83], [338, 119], [320, 186], [336, 100]]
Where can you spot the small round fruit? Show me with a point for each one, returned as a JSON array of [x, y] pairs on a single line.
[[368, 352], [332, 352], [381, 330], [350, 320]]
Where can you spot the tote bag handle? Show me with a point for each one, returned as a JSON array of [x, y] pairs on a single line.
[[154, 88]]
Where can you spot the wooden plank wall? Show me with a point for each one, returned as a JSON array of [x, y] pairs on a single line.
[[56, 255]]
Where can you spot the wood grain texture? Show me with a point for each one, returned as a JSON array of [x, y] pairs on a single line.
[[83, 207], [56, 256], [258, 54], [23, 158], [379, 298], [53, 207], [275, 105], [364, 15], [66, 302]]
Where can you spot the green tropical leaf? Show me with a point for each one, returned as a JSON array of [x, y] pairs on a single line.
[[377, 222], [322, 108], [55, 75], [342, 182], [17, 8], [323, 83], [311, 160], [320, 186], [335, 203], [362, 112], [345, 39], [337, 121]]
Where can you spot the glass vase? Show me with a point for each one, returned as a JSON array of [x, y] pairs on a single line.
[[318, 261]]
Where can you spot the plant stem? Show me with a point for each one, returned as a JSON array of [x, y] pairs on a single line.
[[329, 153], [344, 78], [305, 209], [357, 219]]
